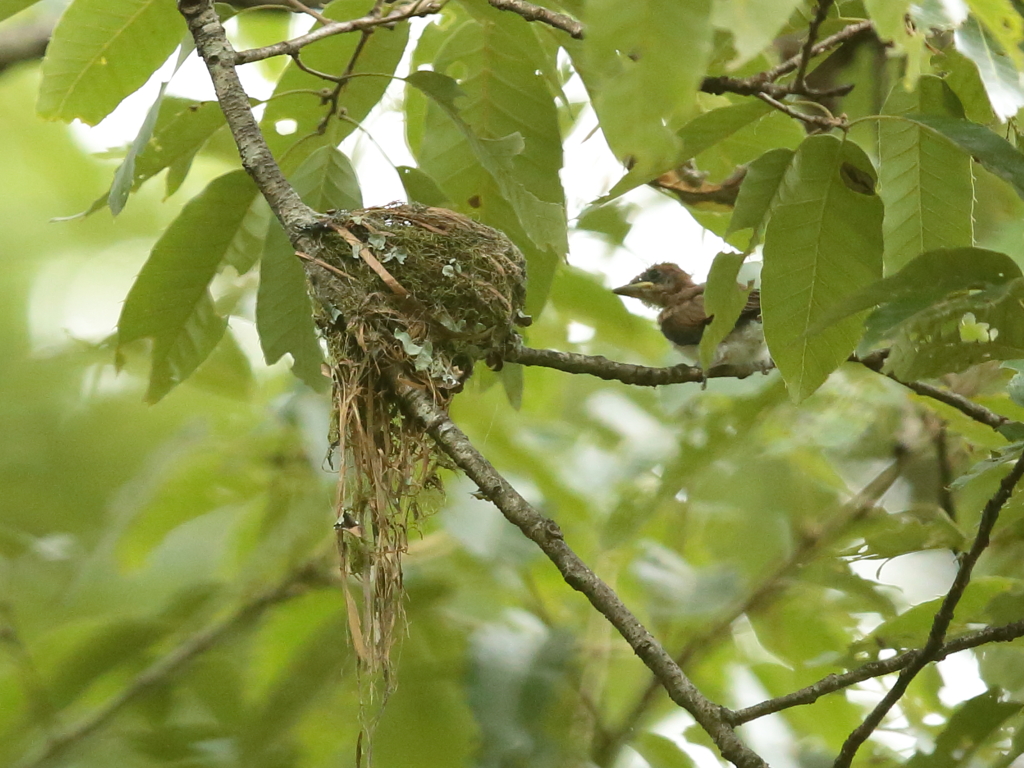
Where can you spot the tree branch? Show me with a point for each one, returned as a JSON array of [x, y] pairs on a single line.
[[24, 42], [547, 535], [943, 617], [532, 12], [855, 509], [646, 376], [833, 683], [807, 53], [293, 585], [296, 44], [215, 50], [979, 413]]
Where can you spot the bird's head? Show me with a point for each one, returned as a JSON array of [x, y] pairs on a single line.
[[657, 285]]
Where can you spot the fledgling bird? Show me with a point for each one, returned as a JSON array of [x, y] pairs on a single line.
[[682, 318]]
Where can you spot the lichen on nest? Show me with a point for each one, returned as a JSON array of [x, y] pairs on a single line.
[[422, 294]]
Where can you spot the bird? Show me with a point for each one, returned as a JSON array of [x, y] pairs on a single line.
[[682, 318]]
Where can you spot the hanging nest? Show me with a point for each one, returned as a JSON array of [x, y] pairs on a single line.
[[422, 294]]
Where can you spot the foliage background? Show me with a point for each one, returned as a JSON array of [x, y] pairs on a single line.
[[134, 532]]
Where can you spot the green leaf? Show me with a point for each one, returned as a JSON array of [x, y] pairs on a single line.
[[925, 280], [698, 135], [660, 751], [998, 74], [511, 376], [124, 176], [247, 245], [10, 7], [170, 301], [284, 314], [973, 723], [921, 214], [910, 628], [492, 143], [724, 299], [641, 88], [754, 24], [226, 372], [1004, 23], [823, 242], [421, 188], [759, 188], [960, 332], [326, 180], [297, 99], [103, 50], [182, 128], [995, 153], [543, 221]]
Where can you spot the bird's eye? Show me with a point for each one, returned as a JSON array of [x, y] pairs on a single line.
[[652, 276]]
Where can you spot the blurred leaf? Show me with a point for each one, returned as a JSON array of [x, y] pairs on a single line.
[[724, 300], [925, 280], [998, 74], [970, 726], [1000, 457], [961, 74], [910, 629], [660, 751], [612, 221], [960, 332], [1004, 23], [891, 535], [10, 7], [99, 648], [170, 301], [284, 313], [94, 58], [640, 87], [921, 215], [754, 24], [226, 372], [511, 375], [823, 243], [759, 188]]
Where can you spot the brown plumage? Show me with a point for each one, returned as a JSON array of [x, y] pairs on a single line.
[[682, 318]]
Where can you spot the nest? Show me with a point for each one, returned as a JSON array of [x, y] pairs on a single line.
[[418, 294]]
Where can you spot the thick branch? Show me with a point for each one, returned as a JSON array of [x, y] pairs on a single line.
[[532, 12], [24, 43], [546, 534], [293, 46], [216, 51], [943, 617], [833, 683], [296, 583]]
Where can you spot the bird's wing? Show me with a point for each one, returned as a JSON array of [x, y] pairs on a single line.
[[684, 323]]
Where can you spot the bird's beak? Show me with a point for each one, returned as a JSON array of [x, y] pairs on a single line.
[[636, 290]]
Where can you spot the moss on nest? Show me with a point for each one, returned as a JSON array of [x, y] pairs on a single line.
[[448, 290], [416, 292]]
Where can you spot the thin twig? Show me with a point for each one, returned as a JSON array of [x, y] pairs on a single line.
[[979, 413], [855, 509], [294, 584], [547, 535], [807, 53], [532, 12], [646, 376], [816, 121], [943, 618], [833, 683], [296, 44]]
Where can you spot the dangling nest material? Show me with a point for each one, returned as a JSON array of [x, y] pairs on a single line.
[[419, 293]]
